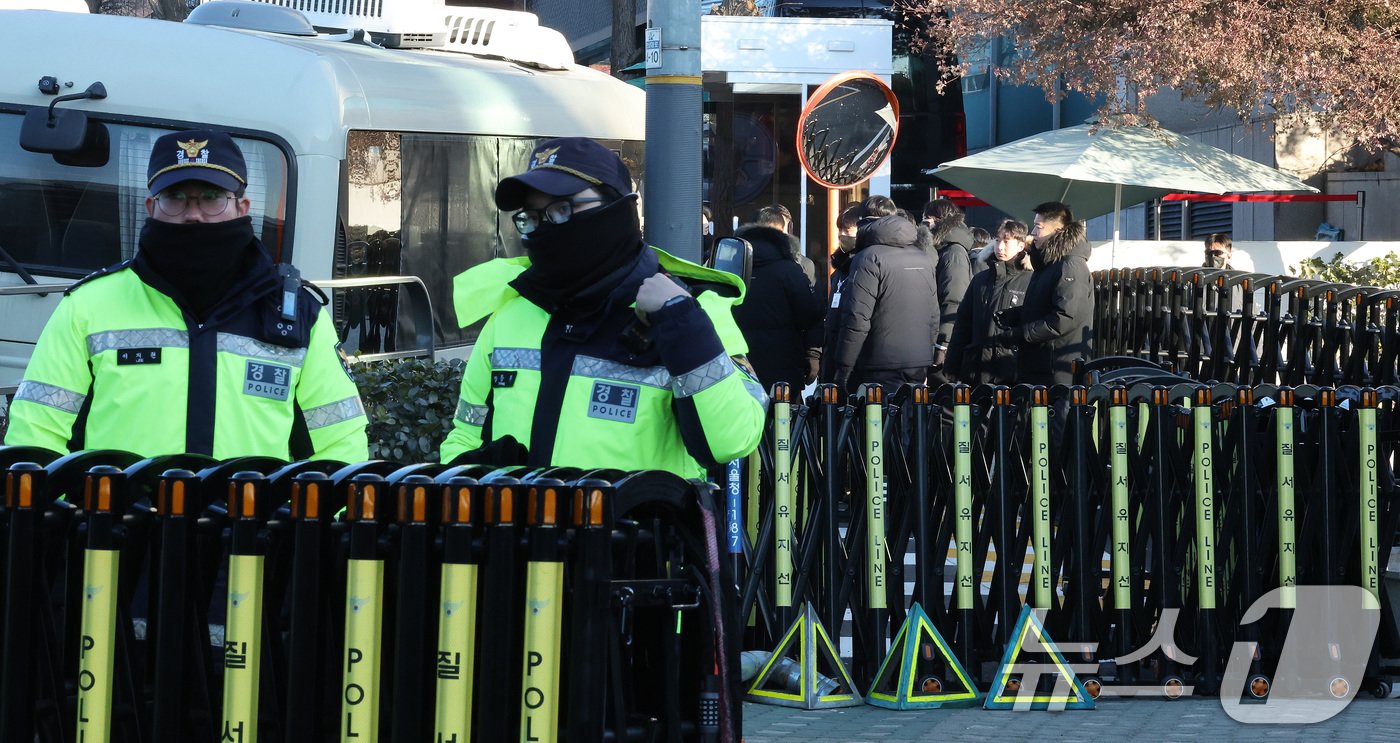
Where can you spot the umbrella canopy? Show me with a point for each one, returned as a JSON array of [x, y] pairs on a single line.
[[1084, 168]]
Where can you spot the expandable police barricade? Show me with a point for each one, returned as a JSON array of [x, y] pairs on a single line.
[[1140, 521], [1249, 328], [182, 599]]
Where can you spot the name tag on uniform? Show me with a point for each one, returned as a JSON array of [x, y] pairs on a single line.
[[503, 379], [127, 356], [835, 299], [272, 381], [614, 402]]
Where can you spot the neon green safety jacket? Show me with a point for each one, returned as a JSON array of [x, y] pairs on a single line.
[[579, 394], [120, 366]]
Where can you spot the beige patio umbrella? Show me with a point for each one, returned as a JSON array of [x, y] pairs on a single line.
[[1097, 172]]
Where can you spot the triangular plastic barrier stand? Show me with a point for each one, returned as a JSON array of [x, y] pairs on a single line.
[[1019, 685], [921, 671], [815, 679]]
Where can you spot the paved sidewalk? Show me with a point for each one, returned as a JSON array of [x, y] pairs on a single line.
[[1191, 719]]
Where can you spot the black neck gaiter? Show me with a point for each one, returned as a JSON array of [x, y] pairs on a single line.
[[567, 259], [200, 260]]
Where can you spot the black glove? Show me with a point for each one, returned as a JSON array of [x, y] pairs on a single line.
[[1007, 336], [1007, 318], [502, 452]]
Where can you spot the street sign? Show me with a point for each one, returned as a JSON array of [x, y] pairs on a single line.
[[653, 48]]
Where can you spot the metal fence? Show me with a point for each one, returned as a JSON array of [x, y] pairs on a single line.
[[182, 599]]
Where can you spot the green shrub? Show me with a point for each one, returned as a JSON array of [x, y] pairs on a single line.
[[410, 403], [1383, 272]]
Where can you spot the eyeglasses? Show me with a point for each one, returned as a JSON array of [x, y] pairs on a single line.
[[555, 212], [212, 203]]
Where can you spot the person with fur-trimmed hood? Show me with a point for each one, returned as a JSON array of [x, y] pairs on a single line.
[[1055, 326], [953, 241]]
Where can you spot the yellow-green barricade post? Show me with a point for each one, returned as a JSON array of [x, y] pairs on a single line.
[[1122, 520], [782, 502], [364, 613], [102, 489], [962, 521], [1203, 461], [876, 562], [242, 650], [456, 645], [544, 614], [1042, 580]]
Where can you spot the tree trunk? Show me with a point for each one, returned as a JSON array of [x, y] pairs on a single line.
[[169, 10], [624, 36]]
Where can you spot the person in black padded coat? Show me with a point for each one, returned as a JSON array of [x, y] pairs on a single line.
[[779, 310]]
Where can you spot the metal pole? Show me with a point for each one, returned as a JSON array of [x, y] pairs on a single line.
[[672, 206]]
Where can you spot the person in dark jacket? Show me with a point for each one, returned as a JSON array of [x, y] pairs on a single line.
[[953, 241], [848, 225], [1055, 326], [779, 218], [974, 356], [888, 314], [778, 312]]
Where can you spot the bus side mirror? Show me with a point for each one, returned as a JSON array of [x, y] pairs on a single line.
[[67, 133]]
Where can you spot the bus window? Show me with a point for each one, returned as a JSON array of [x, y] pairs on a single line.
[[68, 221], [424, 205]]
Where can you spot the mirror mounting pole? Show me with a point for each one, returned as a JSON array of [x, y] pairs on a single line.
[[96, 90]]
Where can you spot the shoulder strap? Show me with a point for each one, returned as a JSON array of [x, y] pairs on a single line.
[[99, 273]]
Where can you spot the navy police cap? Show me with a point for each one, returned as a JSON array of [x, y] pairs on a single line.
[[563, 167], [197, 155]]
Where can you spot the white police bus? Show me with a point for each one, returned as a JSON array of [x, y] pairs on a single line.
[[371, 154]]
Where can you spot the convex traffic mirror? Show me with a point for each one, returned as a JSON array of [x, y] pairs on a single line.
[[847, 129]]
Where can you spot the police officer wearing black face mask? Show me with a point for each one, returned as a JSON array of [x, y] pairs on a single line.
[[200, 343], [599, 351]]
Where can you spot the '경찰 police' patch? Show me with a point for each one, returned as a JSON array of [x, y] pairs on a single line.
[[614, 402], [272, 381]]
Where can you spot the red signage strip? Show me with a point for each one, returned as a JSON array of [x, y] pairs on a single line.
[[1266, 197], [963, 198]]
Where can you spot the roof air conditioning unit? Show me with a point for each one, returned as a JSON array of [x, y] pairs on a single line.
[[397, 24], [507, 34]]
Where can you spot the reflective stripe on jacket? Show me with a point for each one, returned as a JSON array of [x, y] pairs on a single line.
[[156, 383]]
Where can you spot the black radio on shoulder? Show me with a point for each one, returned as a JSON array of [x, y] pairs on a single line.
[[287, 316]]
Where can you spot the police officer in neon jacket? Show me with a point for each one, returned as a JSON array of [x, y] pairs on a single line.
[[200, 343], [599, 352]]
